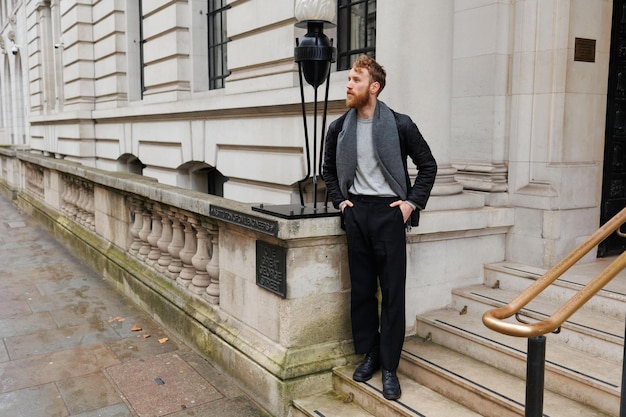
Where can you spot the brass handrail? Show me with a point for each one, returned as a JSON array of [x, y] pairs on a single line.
[[494, 318]]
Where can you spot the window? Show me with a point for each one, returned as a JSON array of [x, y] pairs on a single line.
[[218, 69], [356, 31], [142, 64]]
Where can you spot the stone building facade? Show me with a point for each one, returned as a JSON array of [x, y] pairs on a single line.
[[205, 95]]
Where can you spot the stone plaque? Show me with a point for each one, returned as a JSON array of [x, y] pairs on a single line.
[[585, 50], [271, 268], [255, 223]]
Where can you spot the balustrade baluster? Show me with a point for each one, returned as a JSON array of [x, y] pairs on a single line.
[[73, 210], [187, 252], [135, 207], [174, 248], [213, 268], [90, 208], [143, 234], [80, 203], [65, 195], [154, 236], [164, 241], [77, 196], [200, 259]]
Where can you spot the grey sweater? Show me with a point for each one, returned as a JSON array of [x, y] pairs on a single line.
[[369, 178]]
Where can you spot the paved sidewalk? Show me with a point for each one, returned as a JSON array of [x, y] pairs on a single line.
[[74, 346]]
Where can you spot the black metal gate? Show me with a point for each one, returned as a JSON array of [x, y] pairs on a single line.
[[614, 173]]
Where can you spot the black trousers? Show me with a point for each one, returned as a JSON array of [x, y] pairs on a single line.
[[377, 254]]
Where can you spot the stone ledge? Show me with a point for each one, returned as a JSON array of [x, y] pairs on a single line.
[[460, 220], [192, 201]]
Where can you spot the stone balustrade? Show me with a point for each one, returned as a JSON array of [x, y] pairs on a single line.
[[176, 244]]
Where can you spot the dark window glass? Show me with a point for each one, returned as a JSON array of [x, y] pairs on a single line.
[[218, 69], [356, 31], [142, 65]]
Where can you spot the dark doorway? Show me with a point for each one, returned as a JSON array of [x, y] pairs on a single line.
[[614, 172]]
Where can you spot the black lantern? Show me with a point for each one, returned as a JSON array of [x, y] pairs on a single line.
[[313, 53]]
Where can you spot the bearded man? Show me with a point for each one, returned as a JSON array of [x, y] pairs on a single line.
[[365, 171]]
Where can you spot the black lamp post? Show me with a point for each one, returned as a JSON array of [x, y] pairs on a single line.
[[313, 53]]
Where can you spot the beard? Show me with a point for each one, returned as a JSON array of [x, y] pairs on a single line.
[[357, 101]]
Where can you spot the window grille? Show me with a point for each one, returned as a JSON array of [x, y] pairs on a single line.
[[356, 31], [218, 40]]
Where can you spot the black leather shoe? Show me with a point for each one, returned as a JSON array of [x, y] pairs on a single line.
[[367, 368], [391, 385]]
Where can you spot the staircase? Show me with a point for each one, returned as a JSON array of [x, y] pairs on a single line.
[[457, 367]]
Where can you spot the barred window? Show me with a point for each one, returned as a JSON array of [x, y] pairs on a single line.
[[142, 63], [356, 31], [218, 68]]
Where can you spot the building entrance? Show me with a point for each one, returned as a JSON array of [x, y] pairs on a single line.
[[614, 171]]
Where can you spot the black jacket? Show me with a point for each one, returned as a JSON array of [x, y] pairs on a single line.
[[412, 144]]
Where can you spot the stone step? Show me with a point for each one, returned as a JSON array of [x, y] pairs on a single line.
[[569, 372], [486, 389], [356, 399], [329, 404], [586, 330], [610, 301], [416, 400]]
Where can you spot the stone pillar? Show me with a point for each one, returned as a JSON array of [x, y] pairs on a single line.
[[57, 36], [419, 83], [480, 96], [43, 94], [77, 31]]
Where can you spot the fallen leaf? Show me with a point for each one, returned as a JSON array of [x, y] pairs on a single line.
[[136, 328], [145, 336], [163, 339]]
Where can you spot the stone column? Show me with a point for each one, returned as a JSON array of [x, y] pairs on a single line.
[[558, 113], [57, 35], [419, 82], [43, 95], [480, 96]]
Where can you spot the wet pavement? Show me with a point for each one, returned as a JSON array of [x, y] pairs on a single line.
[[72, 345]]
